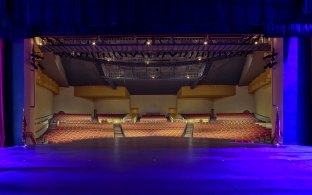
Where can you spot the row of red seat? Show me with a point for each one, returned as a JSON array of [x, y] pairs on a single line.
[[216, 124], [235, 132], [247, 117], [175, 129], [196, 116], [73, 117], [85, 118], [84, 126], [153, 119], [70, 132], [153, 125], [110, 116], [236, 116]]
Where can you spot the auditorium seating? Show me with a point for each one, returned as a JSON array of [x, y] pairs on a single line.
[[68, 132], [246, 132], [72, 118], [172, 129], [195, 118], [235, 117], [110, 118], [233, 126], [153, 119]]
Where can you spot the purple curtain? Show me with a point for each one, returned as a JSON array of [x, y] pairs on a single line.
[[2, 136]]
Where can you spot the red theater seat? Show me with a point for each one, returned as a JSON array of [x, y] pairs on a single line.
[[174, 129], [235, 117], [153, 119], [68, 132], [243, 132], [76, 118]]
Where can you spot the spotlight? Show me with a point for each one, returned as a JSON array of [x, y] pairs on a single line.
[[256, 42], [148, 42], [199, 59], [93, 43], [188, 76], [205, 42]]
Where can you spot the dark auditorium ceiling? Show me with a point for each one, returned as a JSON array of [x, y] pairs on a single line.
[[273, 18], [153, 64]]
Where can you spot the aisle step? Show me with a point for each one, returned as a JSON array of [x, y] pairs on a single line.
[[118, 131], [189, 130]]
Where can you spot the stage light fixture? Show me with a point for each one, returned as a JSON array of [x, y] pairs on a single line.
[[273, 64], [270, 65], [36, 56], [41, 67], [148, 42], [267, 66], [34, 65], [270, 56]]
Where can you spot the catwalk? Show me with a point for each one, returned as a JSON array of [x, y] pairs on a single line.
[[156, 166]]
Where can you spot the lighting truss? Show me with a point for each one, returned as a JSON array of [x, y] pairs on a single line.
[[182, 72]]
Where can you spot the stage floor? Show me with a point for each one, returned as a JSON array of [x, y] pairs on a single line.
[[156, 166]]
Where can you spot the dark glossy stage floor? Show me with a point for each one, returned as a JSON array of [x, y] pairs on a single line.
[[156, 166]]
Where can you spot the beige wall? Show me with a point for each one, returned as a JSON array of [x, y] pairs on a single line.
[[43, 110], [44, 102], [263, 99], [236, 104], [153, 103], [67, 102], [160, 103], [112, 106], [194, 105]]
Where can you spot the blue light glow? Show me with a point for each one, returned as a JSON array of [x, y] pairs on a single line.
[[290, 91], [289, 29], [156, 166]]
